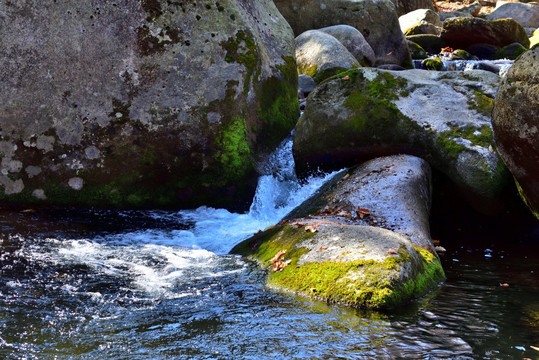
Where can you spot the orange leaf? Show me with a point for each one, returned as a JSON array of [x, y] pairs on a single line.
[[346, 77], [361, 213], [278, 256], [392, 252], [504, 285]]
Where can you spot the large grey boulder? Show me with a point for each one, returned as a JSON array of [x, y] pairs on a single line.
[[443, 117], [362, 240], [515, 120], [419, 16], [526, 15], [461, 33], [375, 19], [320, 55], [354, 41], [141, 103]]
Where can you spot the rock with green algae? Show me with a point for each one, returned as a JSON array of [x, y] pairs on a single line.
[[515, 119], [339, 251], [461, 33], [141, 103], [416, 51], [320, 55], [443, 117], [434, 63]]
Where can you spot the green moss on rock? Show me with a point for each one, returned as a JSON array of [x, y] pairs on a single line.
[[361, 283], [448, 139], [434, 63]]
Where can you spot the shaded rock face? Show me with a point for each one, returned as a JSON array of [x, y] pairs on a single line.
[[461, 33], [443, 117], [515, 120], [321, 55], [339, 252], [142, 102], [375, 19], [526, 15]]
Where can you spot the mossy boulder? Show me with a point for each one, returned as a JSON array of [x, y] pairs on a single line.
[[430, 43], [420, 29], [416, 51], [515, 120], [143, 103], [434, 63], [511, 51], [376, 20], [443, 117], [461, 33], [320, 55], [336, 250]]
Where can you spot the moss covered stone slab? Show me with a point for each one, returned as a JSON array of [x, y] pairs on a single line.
[[363, 240], [141, 103], [444, 117]]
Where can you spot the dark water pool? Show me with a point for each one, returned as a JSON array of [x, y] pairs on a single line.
[[110, 285]]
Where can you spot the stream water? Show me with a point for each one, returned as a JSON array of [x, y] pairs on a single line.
[[89, 284]]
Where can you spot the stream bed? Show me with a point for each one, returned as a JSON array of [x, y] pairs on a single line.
[[103, 284]]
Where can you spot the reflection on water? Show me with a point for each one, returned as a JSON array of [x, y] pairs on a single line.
[[98, 296]]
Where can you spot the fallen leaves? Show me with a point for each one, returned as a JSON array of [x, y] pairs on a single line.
[[392, 252], [504, 284], [361, 213], [346, 77], [278, 263]]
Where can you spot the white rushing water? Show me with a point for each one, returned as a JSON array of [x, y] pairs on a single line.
[[156, 260]]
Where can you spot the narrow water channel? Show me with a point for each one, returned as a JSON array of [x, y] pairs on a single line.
[[160, 285]]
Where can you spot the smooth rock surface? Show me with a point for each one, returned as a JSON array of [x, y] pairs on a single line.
[[354, 41], [406, 6], [515, 120], [151, 103], [442, 116], [320, 55], [376, 20], [419, 16], [526, 15], [374, 260]]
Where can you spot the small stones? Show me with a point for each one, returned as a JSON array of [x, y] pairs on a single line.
[[76, 183]]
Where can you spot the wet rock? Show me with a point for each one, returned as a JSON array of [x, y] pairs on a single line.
[[461, 33], [442, 116], [526, 15], [416, 51], [375, 19], [511, 51], [484, 51], [515, 120], [434, 63], [151, 103], [320, 55], [362, 240], [354, 41]]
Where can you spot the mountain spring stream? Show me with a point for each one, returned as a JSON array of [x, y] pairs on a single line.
[[113, 285]]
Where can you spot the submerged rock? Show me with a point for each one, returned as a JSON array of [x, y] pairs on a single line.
[[515, 119], [442, 116], [375, 19], [363, 240], [149, 103]]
